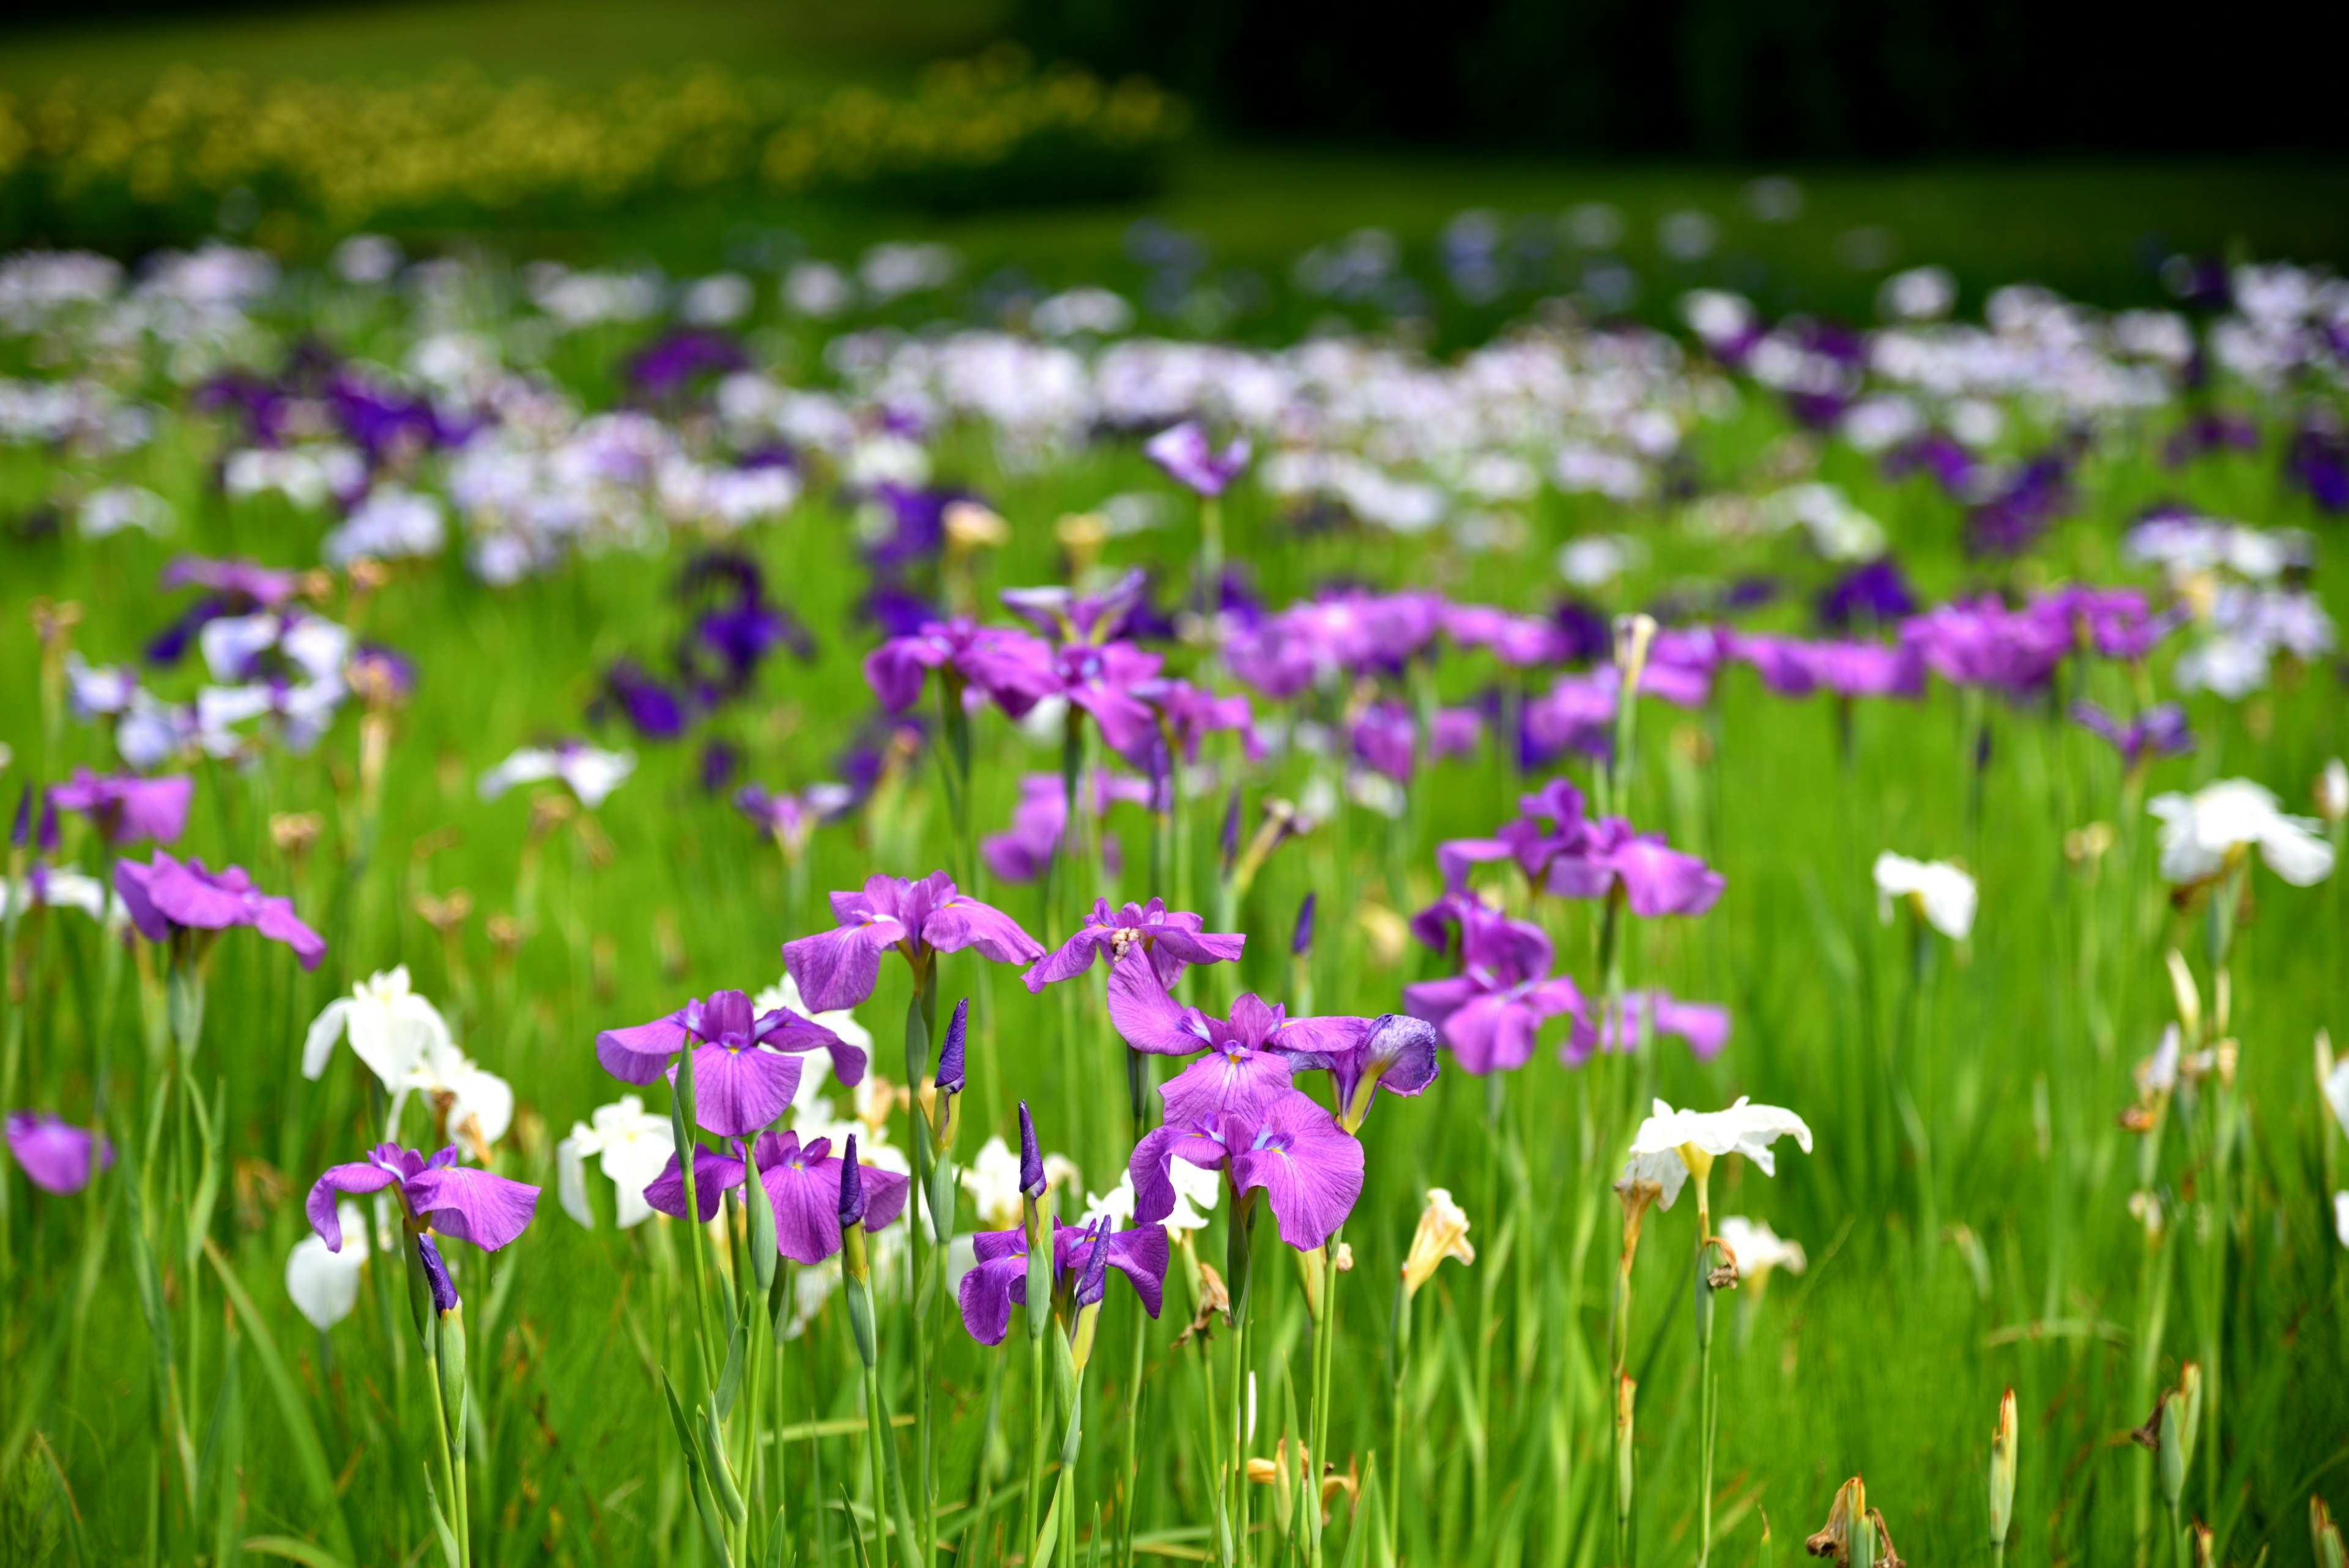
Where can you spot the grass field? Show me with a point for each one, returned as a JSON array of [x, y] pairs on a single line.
[[1977, 1211]]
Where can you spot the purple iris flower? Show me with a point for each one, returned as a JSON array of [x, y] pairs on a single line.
[[1875, 592], [434, 1194], [1681, 665], [2316, 462], [389, 426], [1103, 682], [2209, 432], [652, 707], [1564, 853], [804, 1181], [445, 1298], [1064, 615], [1703, 1025], [1490, 1011], [1300, 940], [1170, 940], [1188, 714], [672, 362], [1981, 642], [1184, 454], [1950, 463], [839, 967], [56, 1157], [1576, 713], [168, 896], [2012, 521], [997, 1279], [382, 676], [851, 1187], [2116, 622], [791, 818], [1249, 1054], [1038, 821], [917, 527], [1518, 641], [1391, 1051], [1310, 1170], [745, 1069], [245, 585], [2158, 732], [1792, 667], [126, 808], [1013, 667], [1386, 736]]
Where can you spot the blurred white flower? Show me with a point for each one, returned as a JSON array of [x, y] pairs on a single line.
[[1759, 1250], [1942, 893], [632, 1145], [591, 774], [1744, 1128], [1196, 1190], [326, 1285], [120, 507], [2200, 832], [2333, 793], [391, 1027], [61, 889], [2336, 1095], [477, 1106]]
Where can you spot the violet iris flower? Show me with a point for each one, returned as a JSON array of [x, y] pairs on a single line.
[[2158, 732], [1310, 1168], [244, 586], [1703, 1025], [1042, 817], [997, 1279], [56, 1155], [1013, 667], [435, 1276], [839, 967], [1064, 615], [1391, 1052], [434, 1194], [804, 1181], [1874, 592], [1564, 853], [1490, 1011], [1249, 1054], [791, 818], [743, 1074], [1386, 737], [1169, 939], [1183, 451], [1981, 642], [1103, 682], [168, 896], [125, 808]]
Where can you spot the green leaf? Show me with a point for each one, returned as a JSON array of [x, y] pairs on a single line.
[[304, 1552], [729, 1382], [309, 1454]]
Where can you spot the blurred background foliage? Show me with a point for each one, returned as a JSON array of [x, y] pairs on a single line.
[[2069, 146]]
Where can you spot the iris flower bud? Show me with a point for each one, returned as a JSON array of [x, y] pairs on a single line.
[[2001, 1472]]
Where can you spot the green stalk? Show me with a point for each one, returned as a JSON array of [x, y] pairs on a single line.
[[1708, 1392], [1325, 1338], [1398, 1341], [921, 1024]]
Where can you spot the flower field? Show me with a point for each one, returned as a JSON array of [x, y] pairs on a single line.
[[1615, 946]]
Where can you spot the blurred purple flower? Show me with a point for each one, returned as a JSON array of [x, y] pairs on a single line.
[[56, 1157], [168, 896], [125, 808], [1183, 453], [2158, 732], [1875, 593]]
